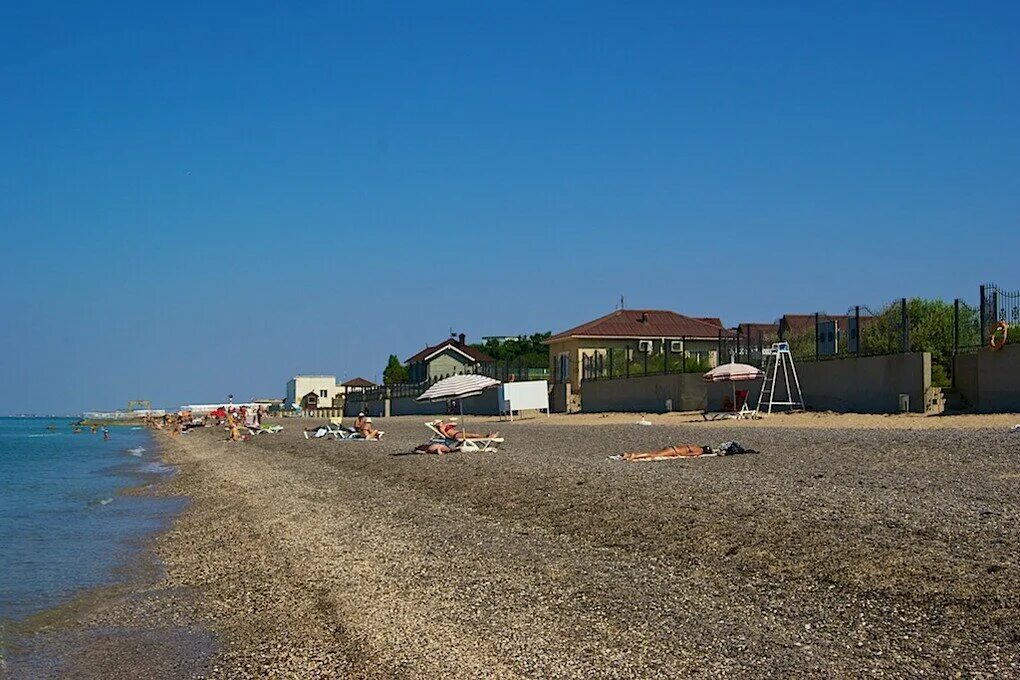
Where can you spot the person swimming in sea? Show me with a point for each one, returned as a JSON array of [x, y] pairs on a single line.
[[106, 434]]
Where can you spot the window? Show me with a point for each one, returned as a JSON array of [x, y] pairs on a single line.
[[676, 346], [323, 393], [644, 345]]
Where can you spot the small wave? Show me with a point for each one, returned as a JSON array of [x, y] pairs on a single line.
[[136, 427], [157, 468], [100, 502], [138, 451], [45, 434]]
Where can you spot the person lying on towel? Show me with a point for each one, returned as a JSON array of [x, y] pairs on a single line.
[[665, 453], [684, 451]]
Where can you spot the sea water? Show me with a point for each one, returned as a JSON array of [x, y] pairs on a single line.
[[64, 525]]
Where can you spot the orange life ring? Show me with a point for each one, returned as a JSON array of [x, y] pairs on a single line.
[[998, 341]]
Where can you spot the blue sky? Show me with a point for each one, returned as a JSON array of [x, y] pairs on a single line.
[[199, 199]]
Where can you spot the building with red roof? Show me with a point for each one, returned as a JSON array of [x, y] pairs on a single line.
[[651, 331]]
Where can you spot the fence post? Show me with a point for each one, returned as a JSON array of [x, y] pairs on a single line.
[[610, 363], [983, 312], [857, 327], [665, 356], [719, 357], [626, 360], [956, 340], [904, 326], [817, 348], [646, 361]]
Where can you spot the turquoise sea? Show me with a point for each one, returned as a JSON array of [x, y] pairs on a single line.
[[64, 526]]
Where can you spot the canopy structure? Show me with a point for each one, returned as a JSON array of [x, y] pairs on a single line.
[[458, 387], [734, 373]]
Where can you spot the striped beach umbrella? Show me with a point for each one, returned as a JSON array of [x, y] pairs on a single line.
[[458, 387], [734, 373]]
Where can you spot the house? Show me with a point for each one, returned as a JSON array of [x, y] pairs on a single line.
[[626, 331], [450, 357], [767, 333], [801, 327], [313, 391], [356, 385]]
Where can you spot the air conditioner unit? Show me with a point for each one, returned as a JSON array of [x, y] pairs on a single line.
[[644, 345]]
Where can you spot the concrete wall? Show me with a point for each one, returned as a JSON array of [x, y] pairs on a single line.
[[861, 385], [559, 397], [989, 379], [647, 394], [857, 385]]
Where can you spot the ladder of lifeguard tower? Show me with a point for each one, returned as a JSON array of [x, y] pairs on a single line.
[[779, 357]]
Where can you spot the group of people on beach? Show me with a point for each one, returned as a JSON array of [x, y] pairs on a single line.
[[233, 418]]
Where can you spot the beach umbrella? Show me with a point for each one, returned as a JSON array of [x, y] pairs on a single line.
[[734, 373], [458, 387]]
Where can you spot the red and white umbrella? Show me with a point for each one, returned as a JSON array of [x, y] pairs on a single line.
[[734, 373]]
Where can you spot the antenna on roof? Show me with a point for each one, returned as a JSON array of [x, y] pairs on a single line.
[[621, 303]]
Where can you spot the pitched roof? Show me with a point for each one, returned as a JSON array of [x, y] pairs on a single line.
[[766, 329], [794, 325], [714, 320], [358, 382], [451, 343], [644, 323]]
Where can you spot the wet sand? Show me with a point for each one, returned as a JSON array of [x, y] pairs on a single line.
[[835, 551]]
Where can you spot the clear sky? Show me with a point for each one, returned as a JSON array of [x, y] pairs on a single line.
[[204, 198]]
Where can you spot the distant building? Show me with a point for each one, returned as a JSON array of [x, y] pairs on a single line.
[[356, 385], [313, 391], [450, 357], [629, 331]]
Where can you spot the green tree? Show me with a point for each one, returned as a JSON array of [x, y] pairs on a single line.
[[526, 349], [395, 372], [930, 328]]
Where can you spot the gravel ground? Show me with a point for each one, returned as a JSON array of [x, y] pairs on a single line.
[[887, 552]]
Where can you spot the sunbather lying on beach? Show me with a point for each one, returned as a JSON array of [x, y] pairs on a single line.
[[684, 451], [434, 447], [678, 451], [449, 429]]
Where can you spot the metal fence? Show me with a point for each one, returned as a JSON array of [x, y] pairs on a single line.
[[504, 371], [943, 329], [998, 305], [636, 360]]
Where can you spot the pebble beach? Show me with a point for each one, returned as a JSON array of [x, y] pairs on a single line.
[[835, 551]]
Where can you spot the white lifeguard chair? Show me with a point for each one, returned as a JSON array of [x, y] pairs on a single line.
[[779, 357]]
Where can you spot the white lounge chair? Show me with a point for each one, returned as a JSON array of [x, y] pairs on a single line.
[[467, 444]]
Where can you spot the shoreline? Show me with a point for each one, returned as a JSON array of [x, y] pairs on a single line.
[[66, 639]]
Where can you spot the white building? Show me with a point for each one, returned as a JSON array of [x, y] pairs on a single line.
[[312, 391]]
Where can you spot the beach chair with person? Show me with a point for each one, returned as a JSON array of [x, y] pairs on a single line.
[[445, 431]]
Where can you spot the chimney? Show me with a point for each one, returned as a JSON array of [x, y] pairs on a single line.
[[644, 317], [460, 340]]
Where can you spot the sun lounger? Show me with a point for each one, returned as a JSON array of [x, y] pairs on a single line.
[[266, 429], [467, 444]]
